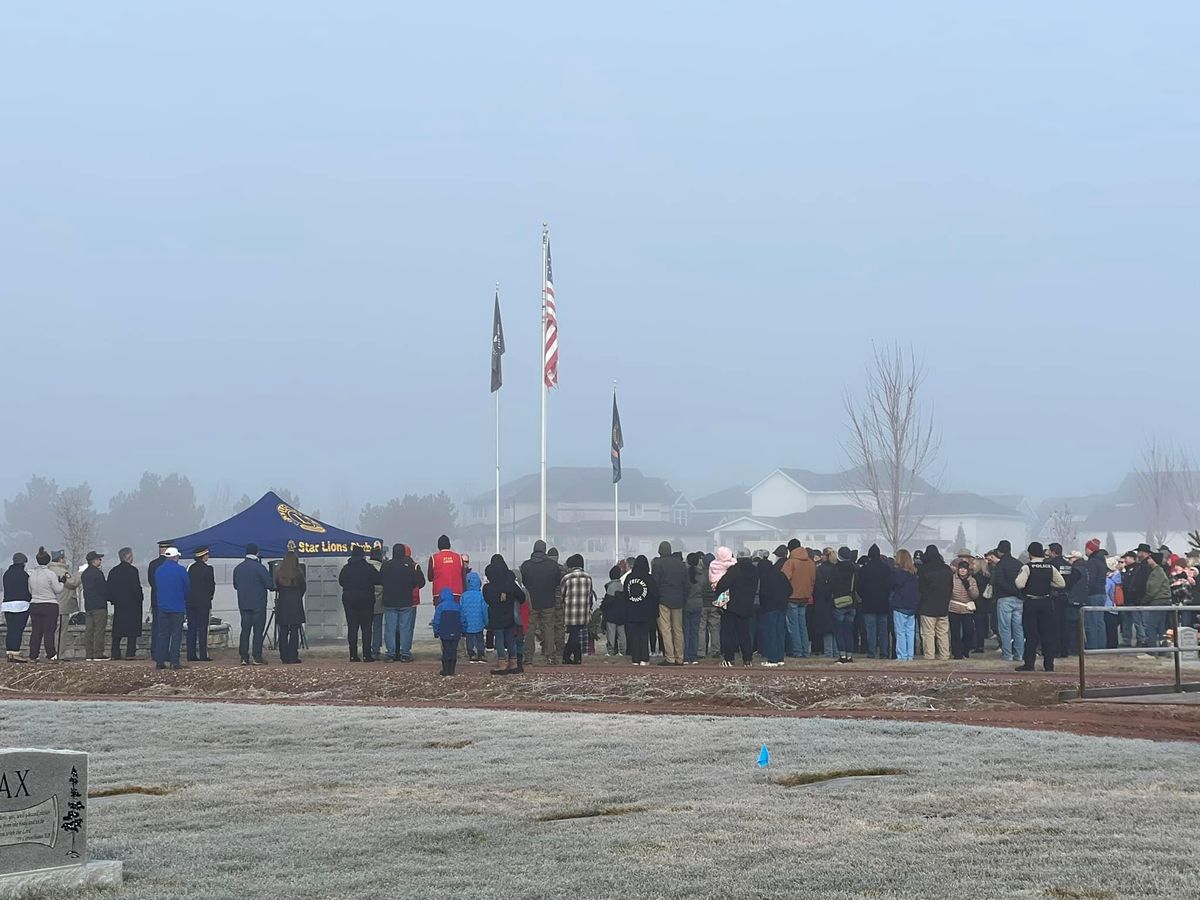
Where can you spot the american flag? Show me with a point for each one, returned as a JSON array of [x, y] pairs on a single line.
[[550, 329]]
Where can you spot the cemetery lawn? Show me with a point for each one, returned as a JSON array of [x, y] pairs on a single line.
[[274, 802]]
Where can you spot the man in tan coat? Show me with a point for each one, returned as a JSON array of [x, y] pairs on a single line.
[[801, 573]]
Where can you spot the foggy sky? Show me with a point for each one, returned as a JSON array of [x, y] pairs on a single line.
[[256, 243]]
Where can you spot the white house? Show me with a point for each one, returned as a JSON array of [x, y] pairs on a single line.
[[823, 510]]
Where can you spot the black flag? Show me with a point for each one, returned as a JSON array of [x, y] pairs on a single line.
[[618, 442], [497, 346]]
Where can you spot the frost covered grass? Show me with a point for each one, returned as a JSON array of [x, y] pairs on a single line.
[[276, 802]]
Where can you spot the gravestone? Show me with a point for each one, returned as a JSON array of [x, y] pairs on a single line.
[[43, 825]]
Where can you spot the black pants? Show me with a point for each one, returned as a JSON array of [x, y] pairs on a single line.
[[962, 634], [289, 643], [985, 615], [1038, 620], [359, 618], [15, 623], [637, 637], [44, 619], [130, 647], [197, 633], [737, 633], [1112, 629], [577, 636], [449, 656]]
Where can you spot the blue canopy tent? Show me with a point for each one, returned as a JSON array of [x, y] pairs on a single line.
[[275, 527]]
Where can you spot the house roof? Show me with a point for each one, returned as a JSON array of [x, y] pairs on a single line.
[[962, 503], [835, 518], [835, 482], [736, 497], [571, 484], [1124, 509]]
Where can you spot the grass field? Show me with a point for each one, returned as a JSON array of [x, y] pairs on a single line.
[[283, 802]]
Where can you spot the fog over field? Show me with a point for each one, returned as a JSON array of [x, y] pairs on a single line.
[[258, 244]]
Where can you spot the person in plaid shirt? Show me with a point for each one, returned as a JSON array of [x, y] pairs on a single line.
[[578, 598]]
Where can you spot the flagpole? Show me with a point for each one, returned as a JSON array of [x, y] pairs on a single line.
[[542, 376], [616, 504], [497, 392]]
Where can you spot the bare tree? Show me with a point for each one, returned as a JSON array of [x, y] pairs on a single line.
[[892, 446], [76, 520], [1060, 527], [1160, 486]]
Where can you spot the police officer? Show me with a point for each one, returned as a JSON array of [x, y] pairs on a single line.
[[1038, 580]]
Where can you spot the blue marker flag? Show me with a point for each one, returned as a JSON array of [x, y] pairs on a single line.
[[764, 757]]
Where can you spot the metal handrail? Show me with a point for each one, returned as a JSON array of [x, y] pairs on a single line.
[[1175, 650]]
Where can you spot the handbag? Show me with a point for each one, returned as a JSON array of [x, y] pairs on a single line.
[[843, 602], [722, 600], [987, 592]]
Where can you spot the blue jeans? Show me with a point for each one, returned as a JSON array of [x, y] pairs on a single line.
[[253, 622], [797, 629], [905, 624], [771, 635], [691, 634], [509, 644], [1133, 628], [1093, 624], [1012, 631], [475, 647], [170, 636], [843, 630], [1154, 621], [878, 645], [398, 631], [376, 634]]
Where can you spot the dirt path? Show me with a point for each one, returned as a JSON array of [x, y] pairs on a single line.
[[971, 693]]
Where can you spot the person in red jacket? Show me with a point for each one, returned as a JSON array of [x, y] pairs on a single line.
[[446, 570]]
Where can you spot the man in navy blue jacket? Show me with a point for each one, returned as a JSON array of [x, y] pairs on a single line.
[[251, 580]]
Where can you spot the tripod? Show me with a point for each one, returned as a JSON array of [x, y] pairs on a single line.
[[272, 633]]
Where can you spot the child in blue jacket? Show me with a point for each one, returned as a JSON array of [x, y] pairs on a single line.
[[474, 618], [447, 627]]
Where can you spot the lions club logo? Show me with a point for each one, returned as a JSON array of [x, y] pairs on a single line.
[[299, 519]]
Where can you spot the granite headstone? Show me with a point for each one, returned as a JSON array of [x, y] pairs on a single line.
[[43, 809]]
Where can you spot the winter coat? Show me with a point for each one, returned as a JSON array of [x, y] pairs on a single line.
[[16, 589], [695, 596], [203, 586], [671, 575], [1004, 577], [68, 600], [843, 581], [474, 607], [502, 595], [377, 565], [289, 602], [1097, 572], [541, 576], [95, 589], [44, 587], [1158, 587], [904, 596], [613, 605], [875, 583], [639, 594], [447, 617], [400, 578], [1134, 583], [578, 597], [128, 598], [801, 574], [934, 585], [821, 620], [358, 579], [963, 594], [150, 571], [251, 580], [774, 589], [173, 587], [1079, 588], [720, 564], [742, 583]]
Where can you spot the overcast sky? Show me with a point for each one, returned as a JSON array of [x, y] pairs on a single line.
[[256, 243]]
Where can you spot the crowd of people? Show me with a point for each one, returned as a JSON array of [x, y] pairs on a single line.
[[795, 602]]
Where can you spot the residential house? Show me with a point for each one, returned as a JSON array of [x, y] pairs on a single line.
[[824, 510]]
